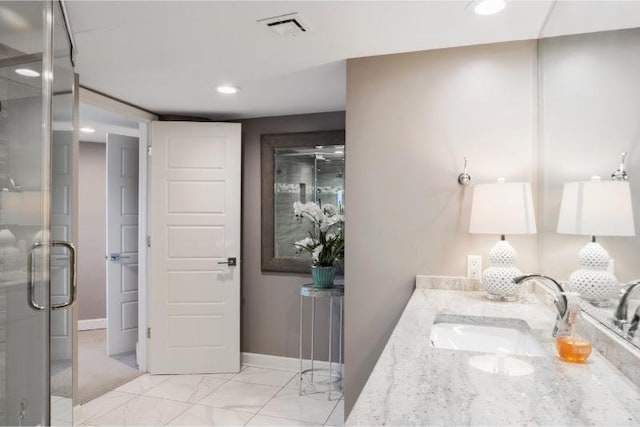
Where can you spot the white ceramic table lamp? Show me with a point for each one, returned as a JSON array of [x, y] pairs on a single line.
[[502, 208], [595, 208]]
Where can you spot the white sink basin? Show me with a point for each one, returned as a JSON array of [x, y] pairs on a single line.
[[485, 335]]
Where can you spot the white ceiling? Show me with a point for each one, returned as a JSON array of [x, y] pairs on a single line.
[[168, 57]]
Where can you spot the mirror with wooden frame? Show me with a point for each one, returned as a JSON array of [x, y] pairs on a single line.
[[297, 167]]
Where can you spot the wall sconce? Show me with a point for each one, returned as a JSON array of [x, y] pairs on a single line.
[[595, 208], [502, 208], [464, 178], [620, 174]]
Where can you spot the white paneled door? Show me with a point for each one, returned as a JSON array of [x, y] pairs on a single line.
[[61, 227], [122, 243], [194, 221]]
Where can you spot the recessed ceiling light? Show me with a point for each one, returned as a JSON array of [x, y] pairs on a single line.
[[27, 72], [87, 130], [228, 89], [488, 7]]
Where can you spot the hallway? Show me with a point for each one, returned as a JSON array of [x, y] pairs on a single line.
[[98, 373]]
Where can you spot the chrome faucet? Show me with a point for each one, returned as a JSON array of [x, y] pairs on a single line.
[[560, 299], [620, 316]]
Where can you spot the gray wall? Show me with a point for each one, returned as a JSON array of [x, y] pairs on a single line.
[[91, 234], [411, 118], [591, 104], [270, 301]]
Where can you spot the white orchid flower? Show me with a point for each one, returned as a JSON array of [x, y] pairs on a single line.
[[316, 253], [307, 242], [323, 218]]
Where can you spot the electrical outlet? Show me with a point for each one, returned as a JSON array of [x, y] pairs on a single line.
[[474, 266]]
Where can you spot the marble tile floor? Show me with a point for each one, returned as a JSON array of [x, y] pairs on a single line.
[[254, 397], [61, 411]]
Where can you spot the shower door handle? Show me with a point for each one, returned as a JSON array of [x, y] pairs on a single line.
[[30, 282], [73, 269], [72, 276]]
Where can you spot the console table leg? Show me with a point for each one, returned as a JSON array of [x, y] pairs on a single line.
[[300, 351], [340, 341], [313, 329], [330, 342]]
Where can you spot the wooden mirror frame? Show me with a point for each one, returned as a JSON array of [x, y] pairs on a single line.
[[269, 143]]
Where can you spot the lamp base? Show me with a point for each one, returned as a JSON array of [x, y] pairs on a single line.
[[498, 279], [499, 284], [595, 286], [592, 280]]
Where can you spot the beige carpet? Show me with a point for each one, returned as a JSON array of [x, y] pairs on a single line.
[[97, 372]]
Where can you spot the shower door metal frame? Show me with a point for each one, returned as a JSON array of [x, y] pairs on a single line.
[[72, 244], [45, 186], [67, 25], [47, 243]]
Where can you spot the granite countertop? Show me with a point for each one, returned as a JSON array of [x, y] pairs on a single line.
[[415, 384]]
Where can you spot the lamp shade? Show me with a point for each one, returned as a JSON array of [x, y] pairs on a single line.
[[502, 208], [596, 208]]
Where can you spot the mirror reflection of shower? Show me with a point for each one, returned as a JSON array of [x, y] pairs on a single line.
[[328, 171], [314, 174], [305, 174]]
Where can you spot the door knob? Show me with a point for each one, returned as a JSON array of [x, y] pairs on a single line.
[[118, 257], [231, 262]]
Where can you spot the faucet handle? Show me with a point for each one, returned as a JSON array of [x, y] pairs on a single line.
[[622, 324], [635, 322], [620, 313], [556, 328]]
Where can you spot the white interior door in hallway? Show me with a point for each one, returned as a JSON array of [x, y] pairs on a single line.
[[194, 221], [122, 243]]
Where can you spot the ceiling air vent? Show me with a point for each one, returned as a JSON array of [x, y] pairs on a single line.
[[290, 24]]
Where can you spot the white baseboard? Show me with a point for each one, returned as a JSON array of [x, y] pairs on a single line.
[[89, 324], [283, 363]]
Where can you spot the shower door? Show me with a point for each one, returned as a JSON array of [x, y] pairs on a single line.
[[36, 199], [64, 149]]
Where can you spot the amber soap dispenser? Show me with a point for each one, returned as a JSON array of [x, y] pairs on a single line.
[[572, 346]]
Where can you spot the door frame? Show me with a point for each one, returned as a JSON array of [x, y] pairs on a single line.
[[144, 118]]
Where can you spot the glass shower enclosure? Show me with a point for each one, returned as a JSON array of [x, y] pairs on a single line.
[[37, 260]]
